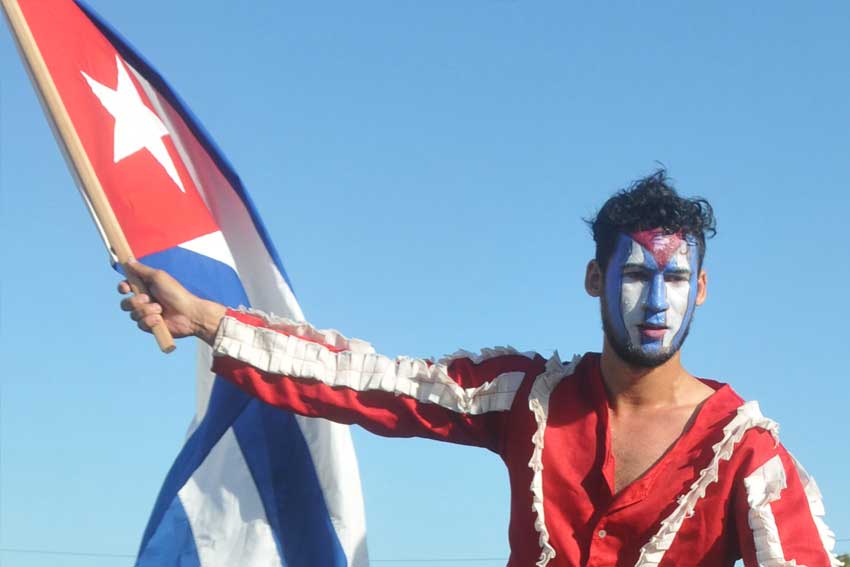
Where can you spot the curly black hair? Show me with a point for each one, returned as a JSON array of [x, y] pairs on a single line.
[[649, 203]]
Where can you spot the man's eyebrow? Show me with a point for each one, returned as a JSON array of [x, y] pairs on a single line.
[[645, 268], [635, 266]]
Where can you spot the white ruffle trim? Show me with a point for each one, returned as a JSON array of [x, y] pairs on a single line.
[[330, 337], [538, 403], [818, 512], [356, 365], [484, 354], [765, 485], [748, 417]]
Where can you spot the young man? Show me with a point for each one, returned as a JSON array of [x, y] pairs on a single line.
[[623, 458]]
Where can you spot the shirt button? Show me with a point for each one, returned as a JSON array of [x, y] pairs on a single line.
[[601, 534]]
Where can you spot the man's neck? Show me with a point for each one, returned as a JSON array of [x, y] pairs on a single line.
[[633, 388]]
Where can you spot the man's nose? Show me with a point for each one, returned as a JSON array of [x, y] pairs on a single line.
[[656, 300]]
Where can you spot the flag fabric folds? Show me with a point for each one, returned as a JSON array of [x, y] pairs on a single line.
[[252, 486]]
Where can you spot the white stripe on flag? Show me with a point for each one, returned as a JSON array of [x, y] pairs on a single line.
[[339, 476], [226, 513], [213, 246]]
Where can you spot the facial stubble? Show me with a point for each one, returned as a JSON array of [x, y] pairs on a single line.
[[632, 354]]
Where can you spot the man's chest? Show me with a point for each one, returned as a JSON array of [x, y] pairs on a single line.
[[640, 441]]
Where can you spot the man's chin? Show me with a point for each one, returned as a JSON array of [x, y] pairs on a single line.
[[639, 358], [636, 356]]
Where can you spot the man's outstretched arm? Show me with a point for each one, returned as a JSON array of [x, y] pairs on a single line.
[[324, 374]]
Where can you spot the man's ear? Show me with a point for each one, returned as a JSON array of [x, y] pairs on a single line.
[[702, 283], [593, 279]]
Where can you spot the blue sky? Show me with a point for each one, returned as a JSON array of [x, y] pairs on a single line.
[[423, 167]]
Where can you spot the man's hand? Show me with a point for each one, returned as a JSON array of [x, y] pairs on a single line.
[[183, 313]]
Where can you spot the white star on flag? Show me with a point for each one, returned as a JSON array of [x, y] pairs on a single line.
[[136, 126]]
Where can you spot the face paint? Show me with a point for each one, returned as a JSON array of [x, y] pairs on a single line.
[[650, 294]]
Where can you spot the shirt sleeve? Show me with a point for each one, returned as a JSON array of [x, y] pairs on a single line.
[[779, 511], [320, 373]]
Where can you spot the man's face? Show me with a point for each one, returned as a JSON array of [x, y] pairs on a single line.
[[650, 294]]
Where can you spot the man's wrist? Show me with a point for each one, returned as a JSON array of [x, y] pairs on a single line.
[[208, 320]]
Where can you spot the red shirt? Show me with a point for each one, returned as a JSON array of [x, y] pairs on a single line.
[[725, 489]]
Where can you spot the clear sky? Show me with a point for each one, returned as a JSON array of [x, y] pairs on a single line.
[[424, 167]]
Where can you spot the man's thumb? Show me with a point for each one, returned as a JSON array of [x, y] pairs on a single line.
[[144, 273]]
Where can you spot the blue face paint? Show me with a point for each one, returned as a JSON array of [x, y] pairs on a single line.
[[650, 294], [614, 289]]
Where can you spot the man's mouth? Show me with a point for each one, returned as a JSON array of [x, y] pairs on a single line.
[[652, 332]]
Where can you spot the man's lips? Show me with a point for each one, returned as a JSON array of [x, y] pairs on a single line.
[[654, 332]]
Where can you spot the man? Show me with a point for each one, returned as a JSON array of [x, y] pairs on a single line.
[[622, 458]]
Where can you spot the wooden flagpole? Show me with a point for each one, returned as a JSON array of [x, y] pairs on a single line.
[[58, 114]]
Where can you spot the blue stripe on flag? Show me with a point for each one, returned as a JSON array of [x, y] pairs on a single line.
[[226, 403], [201, 275], [172, 542], [282, 467]]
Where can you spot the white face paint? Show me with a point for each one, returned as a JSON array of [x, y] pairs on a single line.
[[633, 296], [678, 293]]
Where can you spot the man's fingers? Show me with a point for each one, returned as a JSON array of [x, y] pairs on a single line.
[[148, 322], [146, 310], [135, 302], [143, 273], [155, 280]]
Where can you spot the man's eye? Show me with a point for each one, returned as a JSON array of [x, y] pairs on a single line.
[[676, 277], [636, 275]]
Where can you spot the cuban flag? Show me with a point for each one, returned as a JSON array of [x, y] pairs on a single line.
[[252, 486]]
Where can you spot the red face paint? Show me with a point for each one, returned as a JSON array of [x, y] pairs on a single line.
[[660, 245]]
